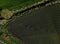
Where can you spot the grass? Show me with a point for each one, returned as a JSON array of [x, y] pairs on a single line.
[[16, 4]]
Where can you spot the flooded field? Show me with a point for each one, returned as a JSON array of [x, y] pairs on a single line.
[[41, 26]]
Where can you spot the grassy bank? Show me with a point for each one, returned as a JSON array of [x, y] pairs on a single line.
[[16, 4]]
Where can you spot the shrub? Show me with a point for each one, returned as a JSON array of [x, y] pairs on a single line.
[[5, 13]]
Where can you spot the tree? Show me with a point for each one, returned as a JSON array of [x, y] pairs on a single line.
[[5, 13]]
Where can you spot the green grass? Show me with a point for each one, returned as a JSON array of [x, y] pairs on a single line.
[[16, 4]]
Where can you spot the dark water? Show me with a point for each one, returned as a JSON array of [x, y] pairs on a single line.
[[39, 27]]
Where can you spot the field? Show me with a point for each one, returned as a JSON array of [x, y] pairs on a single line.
[[37, 26], [41, 26]]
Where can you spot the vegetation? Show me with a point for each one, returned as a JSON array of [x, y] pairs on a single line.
[[5, 13], [16, 4], [7, 37]]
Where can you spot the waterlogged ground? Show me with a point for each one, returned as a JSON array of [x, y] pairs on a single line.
[[39, 27]]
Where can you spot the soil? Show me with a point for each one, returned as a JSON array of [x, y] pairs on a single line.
[[38, 27]]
